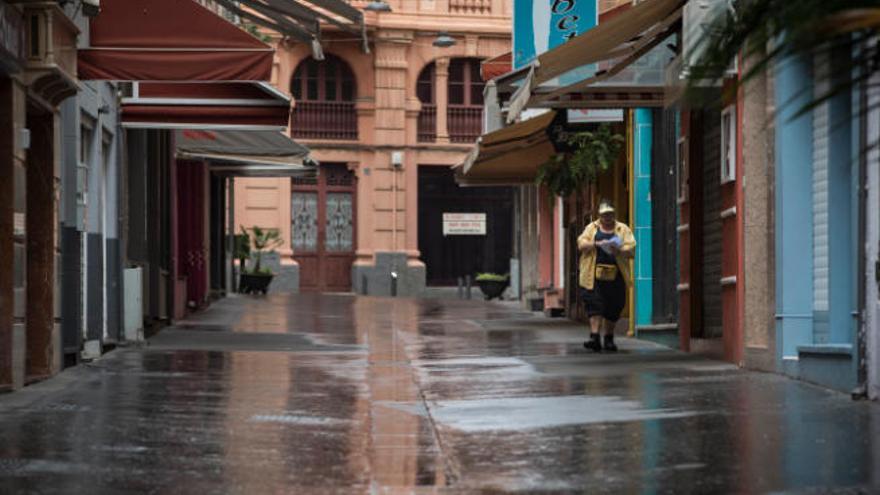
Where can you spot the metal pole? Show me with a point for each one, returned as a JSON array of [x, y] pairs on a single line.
[[230, 235]]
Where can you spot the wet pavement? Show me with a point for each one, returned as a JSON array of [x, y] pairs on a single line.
[[338, 394]]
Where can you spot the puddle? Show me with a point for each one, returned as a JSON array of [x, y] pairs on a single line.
[[513, 414]]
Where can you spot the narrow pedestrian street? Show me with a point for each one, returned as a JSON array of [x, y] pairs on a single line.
[[344, 394]]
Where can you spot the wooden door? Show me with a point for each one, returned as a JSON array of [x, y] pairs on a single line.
[[323, 228], [449, 257]]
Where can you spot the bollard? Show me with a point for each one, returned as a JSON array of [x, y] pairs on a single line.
[[467, 288], [460, 288], [364, 285], [393, 284]]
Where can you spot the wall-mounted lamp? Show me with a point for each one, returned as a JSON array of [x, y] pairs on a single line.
[[378, 6], [91, 8], [443, 40]]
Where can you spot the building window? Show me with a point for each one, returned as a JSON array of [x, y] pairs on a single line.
[[728, 144], [324, 93], [465, 112], [426, 92]]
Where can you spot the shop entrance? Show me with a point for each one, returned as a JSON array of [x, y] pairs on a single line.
[[323, 228], [451, 256]]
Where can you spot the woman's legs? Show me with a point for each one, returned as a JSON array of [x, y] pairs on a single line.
[[594, 344], [596, 323], [609, 335]]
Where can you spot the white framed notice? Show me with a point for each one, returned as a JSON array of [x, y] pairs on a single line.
[[464, 224]]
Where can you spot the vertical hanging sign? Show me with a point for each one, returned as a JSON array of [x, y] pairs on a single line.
[[539, 25]]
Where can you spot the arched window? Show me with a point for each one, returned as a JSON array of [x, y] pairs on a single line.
[[425, 84], [465, 113], [425, 91], [324, 92]]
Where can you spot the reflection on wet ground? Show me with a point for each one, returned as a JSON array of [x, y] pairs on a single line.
[[338, 394]]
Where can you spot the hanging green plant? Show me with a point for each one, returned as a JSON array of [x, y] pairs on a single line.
[[594, 153]]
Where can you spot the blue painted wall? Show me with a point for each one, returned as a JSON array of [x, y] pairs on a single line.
[[642, 142], [842, 249], [794, 208]]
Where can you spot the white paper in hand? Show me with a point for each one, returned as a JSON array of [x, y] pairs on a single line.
[[613, 241]]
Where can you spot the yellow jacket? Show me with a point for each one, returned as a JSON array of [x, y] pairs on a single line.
[[588, 259]]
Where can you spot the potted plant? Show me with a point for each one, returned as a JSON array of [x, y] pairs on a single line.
[[492, 284], [593, 152], [259, 278]]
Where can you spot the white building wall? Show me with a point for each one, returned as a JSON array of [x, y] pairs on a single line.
[[872, 251]]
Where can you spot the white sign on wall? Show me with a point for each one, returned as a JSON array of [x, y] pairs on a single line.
[[464, 224], [18, 224], [588, 115]]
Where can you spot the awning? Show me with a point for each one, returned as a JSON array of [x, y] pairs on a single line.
[[509, 156], [301, 20], [169, 40], [627, 37], [246, 153], [496, 66], [229, 106]]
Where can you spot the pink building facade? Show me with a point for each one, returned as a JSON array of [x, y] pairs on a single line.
[[376, 122]]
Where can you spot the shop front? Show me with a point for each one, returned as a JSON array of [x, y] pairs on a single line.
[[37, 73], [12, 198]]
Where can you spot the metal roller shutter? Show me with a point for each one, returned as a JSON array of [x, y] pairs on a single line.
[[712, 308]]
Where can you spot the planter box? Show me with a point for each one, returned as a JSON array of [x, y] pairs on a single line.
[[251, 283], [492, 288]]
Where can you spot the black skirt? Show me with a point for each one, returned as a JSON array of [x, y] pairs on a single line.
[[606, 298]]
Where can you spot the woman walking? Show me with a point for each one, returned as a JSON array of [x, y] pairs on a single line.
[[606, 246]]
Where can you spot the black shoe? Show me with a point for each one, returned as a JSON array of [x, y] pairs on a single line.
[[610, 346], [594, 344]]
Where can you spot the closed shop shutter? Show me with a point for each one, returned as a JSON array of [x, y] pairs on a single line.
[[820, 189], [712, 308], [664, 208]]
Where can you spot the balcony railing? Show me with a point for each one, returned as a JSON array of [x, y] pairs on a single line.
[[470, 6], [324, 120], [465, 123], [428, 123]]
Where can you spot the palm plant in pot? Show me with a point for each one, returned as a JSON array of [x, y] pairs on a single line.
[[492, 284], [258, 278]]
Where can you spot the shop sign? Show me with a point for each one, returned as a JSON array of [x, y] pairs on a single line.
[[18, 225], [594, 115], [464, 224], [539, 25], [11, 32]]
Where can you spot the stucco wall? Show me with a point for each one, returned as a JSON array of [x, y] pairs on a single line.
[[758, 175]]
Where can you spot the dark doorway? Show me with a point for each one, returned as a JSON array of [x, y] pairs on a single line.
[[40, 227], [323, 228], [664, 243], [453, 256]]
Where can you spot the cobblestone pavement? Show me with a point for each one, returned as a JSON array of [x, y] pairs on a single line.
[[343, 394]]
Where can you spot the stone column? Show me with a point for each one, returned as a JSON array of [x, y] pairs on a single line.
[[441, 90], [388, 209], [12, 249]]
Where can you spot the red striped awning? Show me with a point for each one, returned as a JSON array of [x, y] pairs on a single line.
[[169, 40], [221, 106]]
